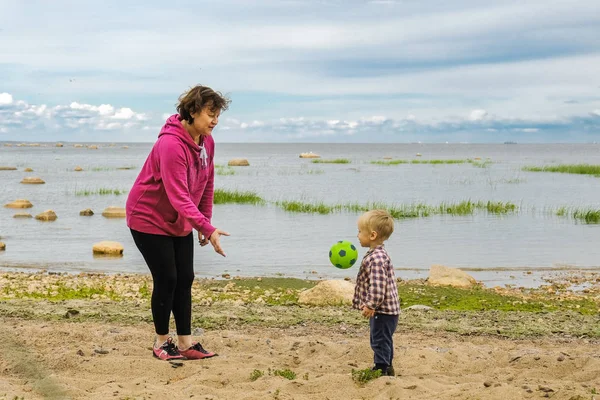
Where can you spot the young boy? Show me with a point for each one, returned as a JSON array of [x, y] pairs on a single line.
[[376, 293]]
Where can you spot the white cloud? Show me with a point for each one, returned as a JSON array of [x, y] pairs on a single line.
[[75, 116], [5, 99], [106, 109], [124, 113], [420, 66], [477, 115]]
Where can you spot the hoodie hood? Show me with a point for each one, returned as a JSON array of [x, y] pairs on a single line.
[[174, 127]]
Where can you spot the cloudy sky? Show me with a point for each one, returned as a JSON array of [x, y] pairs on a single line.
[[304, 70]]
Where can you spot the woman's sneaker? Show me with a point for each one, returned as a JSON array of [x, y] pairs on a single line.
[[168, 351], [196, 352]]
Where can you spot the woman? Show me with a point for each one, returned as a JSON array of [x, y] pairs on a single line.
[[172, 195]]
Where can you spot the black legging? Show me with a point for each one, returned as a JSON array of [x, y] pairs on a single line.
[[171, 262]]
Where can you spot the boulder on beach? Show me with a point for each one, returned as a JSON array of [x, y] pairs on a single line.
[[59, 145], [108, 248], [114, 212], [78, 146], [22, 215], [92, 147], [310, 154], [32, 180], [328, 293], [2, 246], [8, 168], [124, 147], [28, 169], [87, 212], [47, 215], [20, 203], [78, 168], [440, 275], [238, 162]]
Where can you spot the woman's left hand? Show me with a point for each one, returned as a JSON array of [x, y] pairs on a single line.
[[203, 240]]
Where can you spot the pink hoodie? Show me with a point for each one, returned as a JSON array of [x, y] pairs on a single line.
[[174, 191]]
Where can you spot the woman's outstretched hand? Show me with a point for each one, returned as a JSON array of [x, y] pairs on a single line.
[[214, 239]]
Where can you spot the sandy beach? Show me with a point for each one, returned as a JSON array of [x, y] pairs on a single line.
[[84, 348]]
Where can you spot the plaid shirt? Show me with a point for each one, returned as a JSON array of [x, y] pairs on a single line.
[[376, 283]]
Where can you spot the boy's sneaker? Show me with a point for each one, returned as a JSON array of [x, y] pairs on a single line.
[[196, 352], [168, 351], [386, 370]]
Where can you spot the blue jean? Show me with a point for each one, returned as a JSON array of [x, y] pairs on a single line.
[[383, 327]]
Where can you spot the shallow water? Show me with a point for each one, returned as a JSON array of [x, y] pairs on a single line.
[[269, 241]]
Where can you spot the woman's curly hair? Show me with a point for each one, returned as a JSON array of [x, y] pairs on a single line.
[[197, 98]]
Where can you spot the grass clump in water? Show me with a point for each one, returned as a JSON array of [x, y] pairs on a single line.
[[479, 163], [589, 216], [224, 170], [101, 191], [582, 169], [335, 161], [223, 196], [438, 161], [297, 206], [396, 162], [391, 162], [462, 208], [586, 215], [415, 210], [499, 207]]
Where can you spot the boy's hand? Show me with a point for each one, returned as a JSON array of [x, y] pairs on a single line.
[[367, 312]]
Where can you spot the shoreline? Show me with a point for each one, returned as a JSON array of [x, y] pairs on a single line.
[[575, 279], [89, 336]]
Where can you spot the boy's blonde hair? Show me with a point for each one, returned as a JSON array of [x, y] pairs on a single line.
[[379, 221]]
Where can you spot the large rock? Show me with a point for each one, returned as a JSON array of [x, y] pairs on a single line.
[[47, 215], [440, 275], [2, 246], [28, 169], [114, 212], [238, 162], [328, 293], [32, 180], [78, 168], [108, 248], [59, 145], [8, 168], [86, 213], [310, 154], [20, 203]]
